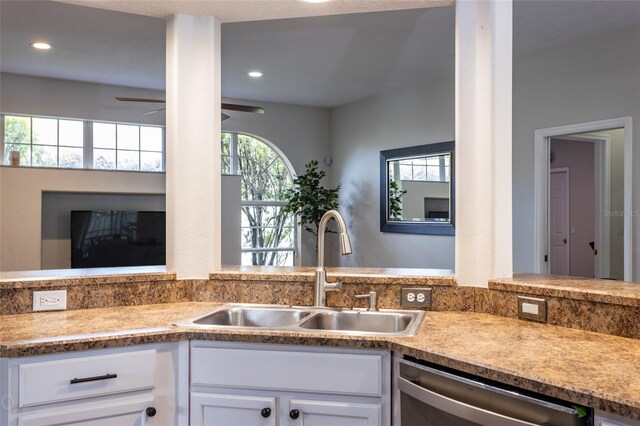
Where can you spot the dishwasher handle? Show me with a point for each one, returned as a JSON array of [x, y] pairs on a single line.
[[457, 408]]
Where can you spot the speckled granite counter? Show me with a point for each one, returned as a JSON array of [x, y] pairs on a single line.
[[92, 276], [587, 368], [405, 276], [591, 289]]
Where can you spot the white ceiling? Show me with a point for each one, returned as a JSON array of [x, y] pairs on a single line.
[[319, 61], [254, 10]]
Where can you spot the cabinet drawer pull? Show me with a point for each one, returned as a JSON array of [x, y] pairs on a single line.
[[294, 414], [266, 412], [92, 379]]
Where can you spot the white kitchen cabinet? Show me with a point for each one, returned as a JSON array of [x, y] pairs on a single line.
[[232, 383], [333, 413], [232, 410], [128, 411], [132, 386]]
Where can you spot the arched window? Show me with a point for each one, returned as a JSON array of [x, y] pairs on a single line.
[[269, 235]]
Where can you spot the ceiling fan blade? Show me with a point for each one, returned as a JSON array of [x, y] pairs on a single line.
[[243, 108], [225, 106], [125, 99], [153, 112]]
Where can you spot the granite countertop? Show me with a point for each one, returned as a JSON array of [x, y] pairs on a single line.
[[405, 276], [593, 289], [69, 277], [587, 368]]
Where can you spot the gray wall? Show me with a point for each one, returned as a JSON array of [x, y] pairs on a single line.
[[592, 79], [359, 131], [56, 208], [56, 218], [22, 94]]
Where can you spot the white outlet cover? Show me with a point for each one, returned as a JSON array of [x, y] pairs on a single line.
[[58, 298], [530, 308]]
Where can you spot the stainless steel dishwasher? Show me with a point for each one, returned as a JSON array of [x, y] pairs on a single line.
[[434, 397]]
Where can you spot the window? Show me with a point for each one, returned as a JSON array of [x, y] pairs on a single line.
[[269, 235], [432, 168], [44, 142], [127, 147], [66, 143]]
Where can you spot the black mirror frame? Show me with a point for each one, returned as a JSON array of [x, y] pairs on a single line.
[[412, 227]]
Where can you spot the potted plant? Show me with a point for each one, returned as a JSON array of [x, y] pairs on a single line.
[[395, 200], [309, 199]]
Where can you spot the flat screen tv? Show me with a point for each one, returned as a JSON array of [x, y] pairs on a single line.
[[117, 238]]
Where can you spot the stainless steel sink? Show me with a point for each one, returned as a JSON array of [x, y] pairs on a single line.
[[309, 319], [385, 322], [239, 315]]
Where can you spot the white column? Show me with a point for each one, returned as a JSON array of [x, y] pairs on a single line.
[[193, 145], [483, 141]]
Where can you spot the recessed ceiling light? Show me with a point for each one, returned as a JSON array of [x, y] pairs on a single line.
[[254, 74], [40, 45]]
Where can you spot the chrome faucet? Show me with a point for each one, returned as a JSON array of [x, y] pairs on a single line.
[[322, 286]]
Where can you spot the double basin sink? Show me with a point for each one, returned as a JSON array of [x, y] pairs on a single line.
[[318, 319]]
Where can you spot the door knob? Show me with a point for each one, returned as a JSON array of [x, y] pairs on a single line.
[[266, 412], [294, 414]]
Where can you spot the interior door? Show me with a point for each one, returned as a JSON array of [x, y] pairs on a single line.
[[559, 222]]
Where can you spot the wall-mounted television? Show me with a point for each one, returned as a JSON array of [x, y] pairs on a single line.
[[117, 238]]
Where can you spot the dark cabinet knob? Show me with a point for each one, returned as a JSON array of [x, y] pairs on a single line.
[[266, 412], [294, 414], [151, 411]]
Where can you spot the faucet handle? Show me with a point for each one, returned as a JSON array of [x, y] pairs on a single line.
[[337, 286], [373, 300]]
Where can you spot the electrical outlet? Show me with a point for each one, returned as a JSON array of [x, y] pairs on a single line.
[[416, 297], [532, 308], [54, 300]]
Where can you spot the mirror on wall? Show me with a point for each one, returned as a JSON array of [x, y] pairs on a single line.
[[417, 189]]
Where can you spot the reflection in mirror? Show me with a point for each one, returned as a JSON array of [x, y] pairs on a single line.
[[419, 189], [416, 190]]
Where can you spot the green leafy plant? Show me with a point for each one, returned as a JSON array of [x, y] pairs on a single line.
[[309, 199], [395, 200]]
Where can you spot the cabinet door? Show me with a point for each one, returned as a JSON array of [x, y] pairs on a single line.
[[232, 410], [125, 412], [332, 413]]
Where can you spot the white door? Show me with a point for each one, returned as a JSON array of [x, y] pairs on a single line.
[[124, 412], [232, 410], [331, 413], [559, 222]]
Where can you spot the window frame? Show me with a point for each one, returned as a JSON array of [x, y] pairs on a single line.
[[233, 170], [87, 148]]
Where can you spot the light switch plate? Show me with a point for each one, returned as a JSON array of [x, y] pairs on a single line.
[[416, 297], [54, 300], [532, 308]]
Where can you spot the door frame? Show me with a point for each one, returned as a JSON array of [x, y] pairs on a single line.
[[568, 215], [602, 196], [541, 185]]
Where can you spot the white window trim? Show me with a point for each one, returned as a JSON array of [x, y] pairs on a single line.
[[297, 237], [87, 151]]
